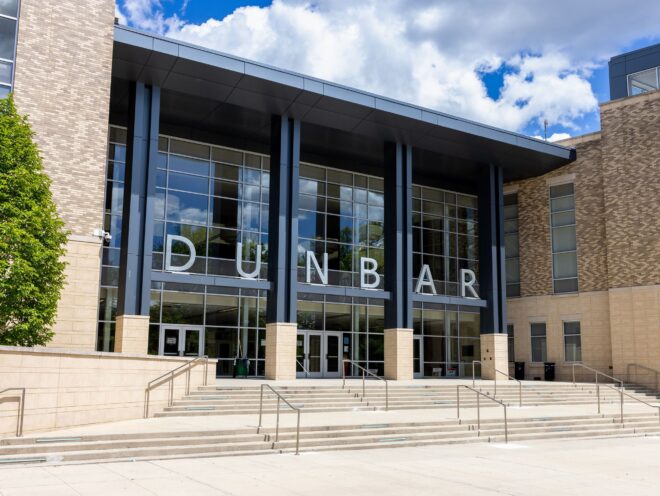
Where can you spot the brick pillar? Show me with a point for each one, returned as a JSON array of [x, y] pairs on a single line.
[[132, 334], [399, 354], [281, 351], [494, 356]]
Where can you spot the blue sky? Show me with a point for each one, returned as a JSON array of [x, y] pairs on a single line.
[[493, 62]]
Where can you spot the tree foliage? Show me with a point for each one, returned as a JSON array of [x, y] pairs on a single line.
[[32, 237]]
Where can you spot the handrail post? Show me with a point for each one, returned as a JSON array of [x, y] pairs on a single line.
[[387, 398], [298, 435], [621, 395], [506, 427], [472, 373], [188, 381], [519, 394], [458, 402], [364, 394], [343, 373], [573, 367], [478, 417], [598, 396], [261, 407], [277, 422], [170, 400]]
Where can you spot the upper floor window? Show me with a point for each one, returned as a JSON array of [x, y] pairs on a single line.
[[564, 244], [572, 342], [644, 81], [539, 342], [511, 245], [8, 28]]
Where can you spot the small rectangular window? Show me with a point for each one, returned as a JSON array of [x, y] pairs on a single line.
[[509, 332], [564, 242], [539, 344], [572, 342]]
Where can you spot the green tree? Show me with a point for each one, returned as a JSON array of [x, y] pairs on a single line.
[[32, 237]]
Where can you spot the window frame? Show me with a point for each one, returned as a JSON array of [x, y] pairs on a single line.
[[10, 85], [510, 341], [552, 229], [631, 75], [579, 335], [532, 338]]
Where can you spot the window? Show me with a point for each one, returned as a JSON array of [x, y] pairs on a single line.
[[509, 333], [8, 28], [511, 245], [564, 244], [539, 352], [572, 342], [644, 81]]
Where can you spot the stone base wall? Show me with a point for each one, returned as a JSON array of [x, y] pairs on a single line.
[[399, 354], [281, 351], [68, 388], [132, 334], [635, 332], [77, 310], [590, 309], [494, 356]]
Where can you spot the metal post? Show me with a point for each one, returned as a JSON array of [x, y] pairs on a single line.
[[298, 435], [506, 427], [171, 398], [277, 422], [598, 396], [387, 397], [621, 395], [21, 414], [472, 373], [188, 381], [478, 417], [206, 371], [495, 380], [261, 406], [458, 402], [520, 394], [146, 408], [363, 386], [343, 373], [573, 367]]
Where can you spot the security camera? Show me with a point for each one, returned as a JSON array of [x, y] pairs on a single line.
[[104, 235]]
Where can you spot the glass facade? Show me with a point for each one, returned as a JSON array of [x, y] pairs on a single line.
[[564, 239], [445, 236], [511, 245], [8, 30], [342, 214], [644, 81], [211, 198]]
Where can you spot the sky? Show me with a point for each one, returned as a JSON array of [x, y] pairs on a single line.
[[514, 64]]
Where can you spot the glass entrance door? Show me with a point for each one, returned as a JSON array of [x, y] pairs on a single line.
[[318, 354], [332, 354], [418, 358], [178, 340]]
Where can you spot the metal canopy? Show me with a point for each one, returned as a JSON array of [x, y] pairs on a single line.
[[211, 86]]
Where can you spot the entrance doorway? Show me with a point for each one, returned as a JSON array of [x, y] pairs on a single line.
[[318, 354], [418, 357], [181, 340]]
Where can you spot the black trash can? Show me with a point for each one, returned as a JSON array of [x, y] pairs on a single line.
[[519, 372], [241, 366], [549, 368]]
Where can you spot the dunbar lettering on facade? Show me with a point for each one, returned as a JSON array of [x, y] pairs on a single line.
[[261, 214]]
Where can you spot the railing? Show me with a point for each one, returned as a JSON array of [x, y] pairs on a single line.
[[479, 393], [621, 395], [21, 408], [303, 367], [643, 367], [168, 377], [495, 380], [365, 372], [297, 408], [597, 373]]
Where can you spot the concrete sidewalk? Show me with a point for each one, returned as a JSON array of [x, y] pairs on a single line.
[[558, 468]]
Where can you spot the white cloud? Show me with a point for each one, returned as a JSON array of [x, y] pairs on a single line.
[[430, 52], [555, 137]]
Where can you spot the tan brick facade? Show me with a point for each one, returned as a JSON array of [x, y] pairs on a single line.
[[62, 81], [617, 201]]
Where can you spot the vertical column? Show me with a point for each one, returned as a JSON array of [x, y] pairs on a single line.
[[132, 328], [281, 327], [398, 262], [492, 273]]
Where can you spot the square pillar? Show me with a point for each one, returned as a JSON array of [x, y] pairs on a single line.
[[399, 354], [494, 356], [132, 334], [281, 351]]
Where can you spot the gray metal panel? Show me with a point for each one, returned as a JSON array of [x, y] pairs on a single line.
[[450, 300], [342, 291], [226, 282]]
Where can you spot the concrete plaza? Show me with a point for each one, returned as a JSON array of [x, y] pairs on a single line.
[[583, 467]]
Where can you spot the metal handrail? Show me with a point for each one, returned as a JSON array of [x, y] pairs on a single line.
[[480, 393], [303, 367], [596, 373], [644, 367], [495, 380], [21, 409], [277, 422], [364, 373], [169, 378], [621, 394]]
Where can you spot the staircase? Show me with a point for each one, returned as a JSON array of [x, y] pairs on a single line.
[[216, 443], [219, 400]]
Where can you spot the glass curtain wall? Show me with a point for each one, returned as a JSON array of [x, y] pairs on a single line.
[[445, 236], [8, 30]]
